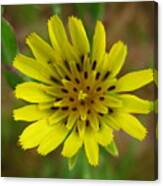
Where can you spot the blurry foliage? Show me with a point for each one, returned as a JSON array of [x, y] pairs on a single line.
[[131, 22]]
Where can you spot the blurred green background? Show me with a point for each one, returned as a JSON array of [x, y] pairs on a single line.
[[131, 22]]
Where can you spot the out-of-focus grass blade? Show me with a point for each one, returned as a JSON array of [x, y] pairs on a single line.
[[72, 162], [97, 10], [57, 9], [9, 51], [112, 149]]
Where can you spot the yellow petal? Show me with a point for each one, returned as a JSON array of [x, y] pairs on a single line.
[[33, 134], [91, 147], [78, 35], [134, 80], [100, 107], [134, 104], [104, 136], [72, 144], [57, 117], [116, 58], [53, 139], [94, 121], [111, 121], [72, 118], [112, 101], [32, 92], [132, 126], [32, 68], [30, 113], [99, 43], [41, 49], [59, 39]]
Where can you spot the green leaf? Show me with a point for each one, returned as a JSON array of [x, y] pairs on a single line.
[[72, 162], [12, 78], [9, 51], [9, 45], [112, 149]]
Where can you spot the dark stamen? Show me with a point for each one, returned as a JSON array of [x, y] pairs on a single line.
[[82, 102], [71, 99], [76, 130], [66, 77], [77, 80], [58, 99], [99, 125], [82, 58], [87, 123], [98, 89], [94, 65], [110, 110], [54, 79], [92, 101], [101, 98], [64, 90], [75, 89], [88, 87], [49, 61], [54, 108], [106, 75], [112, 87], [85, 75], [78, 67], [64, 108], [66, 64], [97, 75], [74, 109], [89, 111], [100, 114]]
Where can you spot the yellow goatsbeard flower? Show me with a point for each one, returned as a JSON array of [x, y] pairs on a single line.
[[77, 97]]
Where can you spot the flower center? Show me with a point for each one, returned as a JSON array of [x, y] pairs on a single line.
[[82, 95]]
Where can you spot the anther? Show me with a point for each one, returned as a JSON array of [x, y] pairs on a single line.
[[101, 114], [97, 75], [87, 123], [64, 108], [75, 89], [66, 64], [88, 87], [112, 87], [55, 80], [85, 74], [101, 98], [54, 108], [64, 90], [106, 75], [82, 58], [76, 130], [77, 80], [71, 99], [94, 65], [74, 109], [98, 89], [92, 101], [89, 111], [82, 102], [66, 77], [78, 67], [110, 110]]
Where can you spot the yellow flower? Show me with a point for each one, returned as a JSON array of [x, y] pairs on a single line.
[[77, 97]]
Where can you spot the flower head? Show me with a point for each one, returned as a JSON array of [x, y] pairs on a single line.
[[77, 97]]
